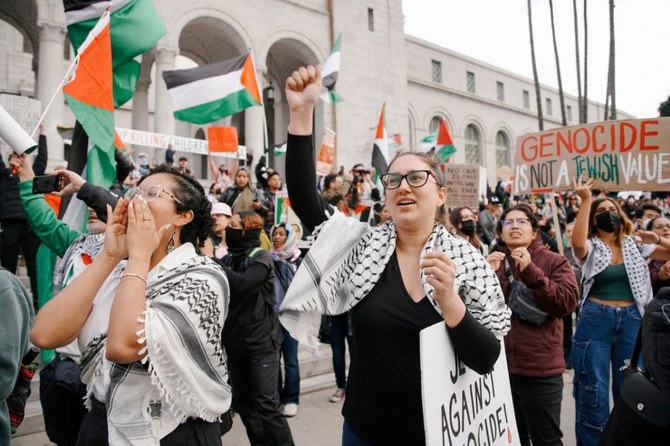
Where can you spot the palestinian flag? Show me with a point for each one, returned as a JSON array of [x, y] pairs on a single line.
[[330, 70], [380, 151], [211, 92], [280, 149], [135, 28], [439, 143], [88, 91]]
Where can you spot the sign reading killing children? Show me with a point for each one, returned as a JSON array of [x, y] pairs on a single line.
[[460, 406], [618, 155]]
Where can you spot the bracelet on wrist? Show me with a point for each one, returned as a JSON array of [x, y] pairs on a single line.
[[129, 275]]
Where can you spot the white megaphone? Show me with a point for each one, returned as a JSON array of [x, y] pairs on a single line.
[[14, 135]]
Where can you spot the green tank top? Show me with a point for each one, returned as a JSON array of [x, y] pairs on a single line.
[[612, 284]]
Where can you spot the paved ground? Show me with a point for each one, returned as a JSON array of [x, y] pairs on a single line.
[[319, 422]]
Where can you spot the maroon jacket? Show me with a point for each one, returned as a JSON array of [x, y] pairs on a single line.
[[537, 350]]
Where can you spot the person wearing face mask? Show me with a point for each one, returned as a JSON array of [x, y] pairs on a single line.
[[465, 226], [253, 336], [616, 288]]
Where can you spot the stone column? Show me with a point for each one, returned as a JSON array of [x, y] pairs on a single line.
[[163, 112], [253, 132], [141, 104], [50, 73]]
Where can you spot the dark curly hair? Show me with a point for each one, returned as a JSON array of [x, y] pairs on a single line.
[[193, 198]]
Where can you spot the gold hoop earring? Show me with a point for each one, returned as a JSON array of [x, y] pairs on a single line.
[[170, 243]]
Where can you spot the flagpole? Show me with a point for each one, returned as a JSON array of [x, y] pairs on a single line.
[[53, 98]]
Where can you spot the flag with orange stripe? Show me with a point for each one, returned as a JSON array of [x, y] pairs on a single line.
[[90, 95]]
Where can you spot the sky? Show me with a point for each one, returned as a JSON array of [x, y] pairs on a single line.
[[496, 32]]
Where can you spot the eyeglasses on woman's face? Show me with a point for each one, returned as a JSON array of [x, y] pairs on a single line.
[[415, 178], [662, 226], [150, 193], [509, 222]]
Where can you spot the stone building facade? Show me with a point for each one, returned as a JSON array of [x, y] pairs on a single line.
[[486, 108]]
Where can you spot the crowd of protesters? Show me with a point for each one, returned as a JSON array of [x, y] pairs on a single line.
[[175, 307]]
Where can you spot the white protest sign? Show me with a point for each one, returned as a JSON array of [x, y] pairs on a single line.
[[179, 143], [461, 407]]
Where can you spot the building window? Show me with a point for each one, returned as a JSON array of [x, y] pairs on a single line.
[[472, 145], [437, 71], [500, 90], [371, 19], [548, 106], [434, 124], [568, 113], [526, 99], [502, 150], [470, 76]]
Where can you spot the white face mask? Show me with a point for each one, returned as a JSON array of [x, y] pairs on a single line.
[[644, 223]]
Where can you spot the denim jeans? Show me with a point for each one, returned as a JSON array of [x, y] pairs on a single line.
[[339, 331], [289, 383], [537, 407], [604, 338]]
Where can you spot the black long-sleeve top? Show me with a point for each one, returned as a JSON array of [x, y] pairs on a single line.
[[252, 327], [383, 398], [10, 201]]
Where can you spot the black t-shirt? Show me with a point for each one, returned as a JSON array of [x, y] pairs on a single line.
[[383, 401]]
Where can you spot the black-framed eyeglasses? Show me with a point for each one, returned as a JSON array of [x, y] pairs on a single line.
[[150, 193], [415, 178]]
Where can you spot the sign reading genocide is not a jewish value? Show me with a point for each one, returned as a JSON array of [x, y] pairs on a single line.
[[618, 155], [460, 406]]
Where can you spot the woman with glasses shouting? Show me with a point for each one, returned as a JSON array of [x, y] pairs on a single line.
[[158, 307], [616, 288], [397, 279], [534, 345]]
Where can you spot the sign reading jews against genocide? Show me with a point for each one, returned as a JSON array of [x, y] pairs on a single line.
[[460, 406], [462, 181], [618, 155]]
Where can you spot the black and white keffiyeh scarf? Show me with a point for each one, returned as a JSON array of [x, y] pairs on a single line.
[[347, 259], [89, 244], [184, 373]]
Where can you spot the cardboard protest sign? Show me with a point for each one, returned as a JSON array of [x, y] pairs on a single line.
[[326, 159], [618, 155], [460, 406], [462, 181]]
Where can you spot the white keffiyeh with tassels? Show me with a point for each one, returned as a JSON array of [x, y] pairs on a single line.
[[347, 259], [184, 374]]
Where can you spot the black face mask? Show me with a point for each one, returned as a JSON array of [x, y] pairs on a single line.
[[608, 222], [468, 227], [239, 241]]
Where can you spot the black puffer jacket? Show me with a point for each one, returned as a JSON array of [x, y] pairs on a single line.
[[656, 340], [10, 201]]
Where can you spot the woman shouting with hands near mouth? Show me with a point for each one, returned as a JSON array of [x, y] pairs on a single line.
[[397, 279], [535, 352]]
